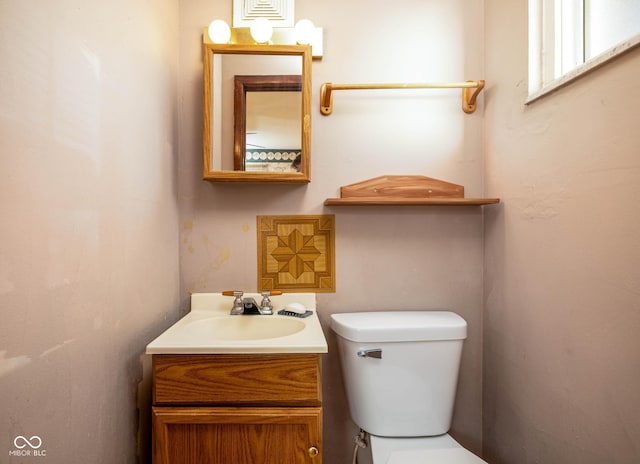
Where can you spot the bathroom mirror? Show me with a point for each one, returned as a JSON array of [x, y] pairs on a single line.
[[267, 124], [256, 113]]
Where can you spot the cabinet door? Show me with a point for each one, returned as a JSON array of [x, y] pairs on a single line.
[[237, 435]]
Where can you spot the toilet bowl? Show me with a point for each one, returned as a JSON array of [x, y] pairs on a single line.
[[400, 371], [442, 449]]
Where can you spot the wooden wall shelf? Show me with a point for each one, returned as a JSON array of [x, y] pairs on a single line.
[[411, 201], [405, 190]]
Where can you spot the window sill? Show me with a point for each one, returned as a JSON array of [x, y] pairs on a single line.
[[585, 68]]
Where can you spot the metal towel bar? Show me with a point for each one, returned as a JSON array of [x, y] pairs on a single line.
[[469, 95]]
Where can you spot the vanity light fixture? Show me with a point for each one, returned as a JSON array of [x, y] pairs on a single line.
[[263, 32], [303, 32], [219, 31]]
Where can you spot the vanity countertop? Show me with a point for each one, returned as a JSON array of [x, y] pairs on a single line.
[[209, 328]]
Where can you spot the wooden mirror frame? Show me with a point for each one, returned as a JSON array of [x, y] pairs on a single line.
[[244, 84], [210, 174]]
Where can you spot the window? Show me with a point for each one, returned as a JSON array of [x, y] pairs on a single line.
[[568, 38]]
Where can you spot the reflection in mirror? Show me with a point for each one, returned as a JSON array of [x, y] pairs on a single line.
[[267, 132], [257, 113]]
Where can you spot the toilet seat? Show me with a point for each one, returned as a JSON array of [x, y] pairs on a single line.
[[442, 449]]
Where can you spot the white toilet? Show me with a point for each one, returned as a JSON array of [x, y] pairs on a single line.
[[400, 371]]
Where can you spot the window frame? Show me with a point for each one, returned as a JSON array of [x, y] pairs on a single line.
[[550, 37]]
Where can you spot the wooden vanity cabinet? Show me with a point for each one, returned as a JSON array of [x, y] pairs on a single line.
[[237, 408]]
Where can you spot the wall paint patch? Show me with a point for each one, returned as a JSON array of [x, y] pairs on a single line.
[[56, 348], [223, 256], [187, 226], [10, 364]]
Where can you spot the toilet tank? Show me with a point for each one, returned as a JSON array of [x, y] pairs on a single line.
[[410, 390]]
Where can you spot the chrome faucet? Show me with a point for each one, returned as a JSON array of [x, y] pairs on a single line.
[[238, 307], [249, 305], [265, 304]]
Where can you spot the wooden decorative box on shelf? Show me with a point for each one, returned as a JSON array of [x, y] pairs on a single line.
[[405, 190]]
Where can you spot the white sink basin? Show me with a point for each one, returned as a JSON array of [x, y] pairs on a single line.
[[239, 328], [210, 329]]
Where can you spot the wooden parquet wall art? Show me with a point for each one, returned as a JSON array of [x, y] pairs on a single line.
[[296, 253]]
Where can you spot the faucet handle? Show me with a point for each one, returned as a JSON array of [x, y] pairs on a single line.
[[232, 292], [271, 292], [265, 304], [238, 307]]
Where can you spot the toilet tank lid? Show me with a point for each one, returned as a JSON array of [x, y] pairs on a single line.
[[399, 326]]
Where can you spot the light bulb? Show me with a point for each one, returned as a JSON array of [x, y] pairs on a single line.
[[261, 30], [303, 32], [219, 32]]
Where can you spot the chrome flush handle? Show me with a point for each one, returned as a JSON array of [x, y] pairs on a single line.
[[373, 353]]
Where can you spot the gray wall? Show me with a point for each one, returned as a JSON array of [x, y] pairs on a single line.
[[562, 259], [386, 258], [100, 247], [88, 242]]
